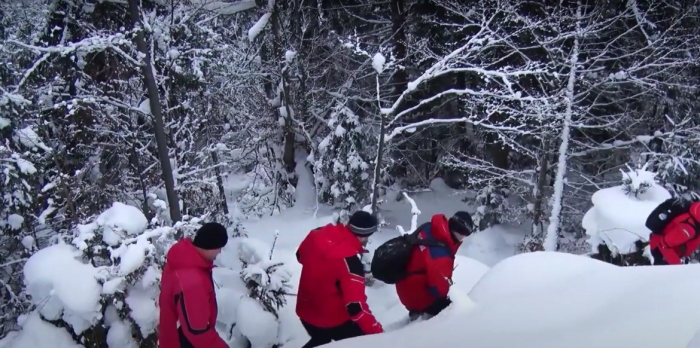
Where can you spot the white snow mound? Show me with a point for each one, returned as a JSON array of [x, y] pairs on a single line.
[[581, 303], [618, 218], [59, 284]]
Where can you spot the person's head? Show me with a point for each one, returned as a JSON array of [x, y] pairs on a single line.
[[461, 225], [363, 224], [210, 239]]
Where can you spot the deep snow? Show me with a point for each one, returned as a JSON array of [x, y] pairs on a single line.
[[554, 300], [537, 300]]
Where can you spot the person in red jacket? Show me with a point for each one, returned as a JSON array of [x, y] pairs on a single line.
[[187, 301], [424, 291], [331, 300], [680, 238]]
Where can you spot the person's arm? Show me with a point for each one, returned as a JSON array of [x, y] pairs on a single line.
[[194, 312], [439, 267], [352, 284]]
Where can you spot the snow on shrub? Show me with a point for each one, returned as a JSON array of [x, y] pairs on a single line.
[[37, 333], [268, 284], [107, 279], [616, 222]]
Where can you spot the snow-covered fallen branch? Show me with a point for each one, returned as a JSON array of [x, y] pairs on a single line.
[[414, 215]]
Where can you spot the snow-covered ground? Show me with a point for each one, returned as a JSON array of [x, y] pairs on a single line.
[[537, 300], [554, 300]]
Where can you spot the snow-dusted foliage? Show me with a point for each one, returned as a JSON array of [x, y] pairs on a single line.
[[102, 283], [268, 284], [341, 164], [616, 222]]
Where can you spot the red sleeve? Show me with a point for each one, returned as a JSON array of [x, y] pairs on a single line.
[[439, 267], [352, 284], [679, 234], [194, 314]]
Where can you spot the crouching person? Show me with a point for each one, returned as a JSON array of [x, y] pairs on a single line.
[[331, 300], [675, 228], [429, 272]]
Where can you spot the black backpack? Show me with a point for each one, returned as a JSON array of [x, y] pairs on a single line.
[[665, 213], [391, 259]]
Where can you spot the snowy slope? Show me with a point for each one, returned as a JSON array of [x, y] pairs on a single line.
[[555, 300]]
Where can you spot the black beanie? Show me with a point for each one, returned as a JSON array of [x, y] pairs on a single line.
[[211, 236], [461, 222], [362, 223]]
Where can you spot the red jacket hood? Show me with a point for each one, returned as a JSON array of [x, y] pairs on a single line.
[[184, 254], [441, 231], [331, 241]]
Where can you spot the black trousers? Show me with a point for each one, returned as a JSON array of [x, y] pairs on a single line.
[[321, 336], [434, 309], [658, 258]]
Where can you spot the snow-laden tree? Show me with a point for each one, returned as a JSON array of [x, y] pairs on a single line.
[[100, 282], [344, 171], [485, 77], [607, 63]]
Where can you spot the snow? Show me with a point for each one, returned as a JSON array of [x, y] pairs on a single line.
[[25, 166], [565, 305], [15, 221], [378, 62], [542, 300], [143, 310], [258, 27], [618, 218], [28, 137], [119, 335], [120, 218], [37, 333], [62, 286]]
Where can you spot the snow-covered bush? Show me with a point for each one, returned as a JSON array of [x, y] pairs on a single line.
[[22, 152], [268, 285], [341, 165], [102, 286], [616, 222]]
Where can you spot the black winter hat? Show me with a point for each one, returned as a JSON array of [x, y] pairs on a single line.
[[461, 222], [211, 236], [362, 223]]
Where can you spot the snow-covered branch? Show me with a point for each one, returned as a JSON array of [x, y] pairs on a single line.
[[414, 216]]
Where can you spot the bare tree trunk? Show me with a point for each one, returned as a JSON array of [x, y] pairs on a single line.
[[154, 100], [399, 82], [219, 181], [537, 227], [378, 161]]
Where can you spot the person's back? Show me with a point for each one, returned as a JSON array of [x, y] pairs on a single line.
[[331, 300], [187, 302], [679, 239], [424, 291]]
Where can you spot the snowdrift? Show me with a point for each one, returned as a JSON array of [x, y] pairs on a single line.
[[555, 300]]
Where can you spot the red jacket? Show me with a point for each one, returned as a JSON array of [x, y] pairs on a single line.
[[187, 301], [433, 267], [332, 284], [679, 238]]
